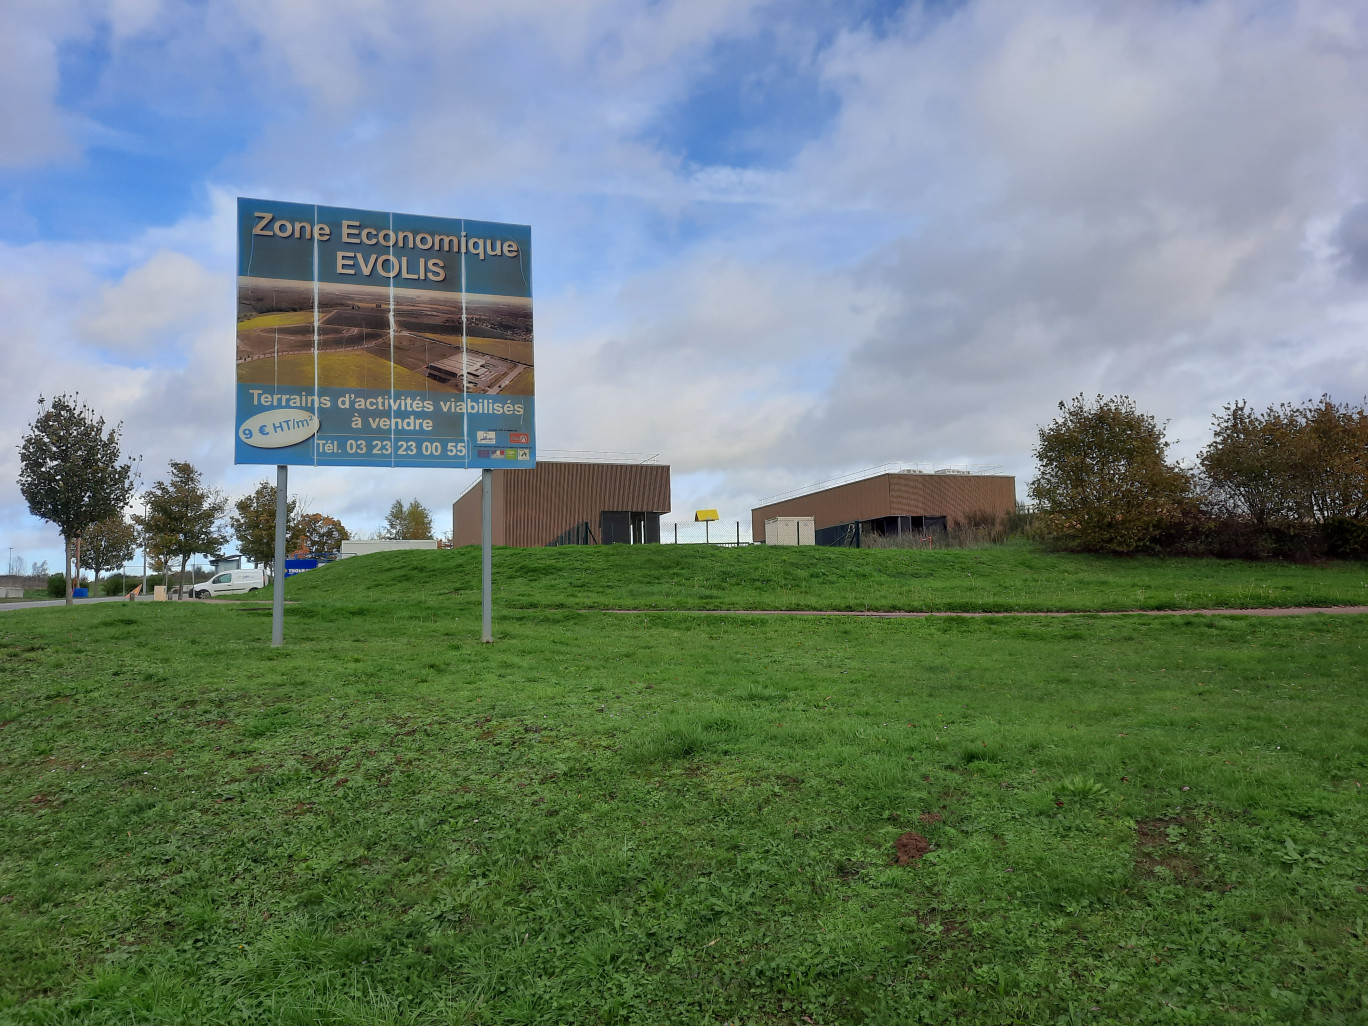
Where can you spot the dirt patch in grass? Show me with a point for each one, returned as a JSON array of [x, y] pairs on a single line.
[[946, 926], [930, 818], [1157, 851], [849, 869], [910, 847]]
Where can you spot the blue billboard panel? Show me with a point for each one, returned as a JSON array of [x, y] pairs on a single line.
[[381, 339]]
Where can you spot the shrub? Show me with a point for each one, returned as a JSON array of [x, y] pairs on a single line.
[[1289, 464], [1102, 479], [56, 586], [1346, 538]]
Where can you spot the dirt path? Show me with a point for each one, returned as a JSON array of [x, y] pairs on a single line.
[[894, 615]]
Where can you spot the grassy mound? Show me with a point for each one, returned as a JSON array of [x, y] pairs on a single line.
[[757, 577]]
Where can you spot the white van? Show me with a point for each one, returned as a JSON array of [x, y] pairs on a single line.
[[230, 582]]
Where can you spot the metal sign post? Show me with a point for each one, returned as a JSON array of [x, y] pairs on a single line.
[[707, 516], [278, 594], [487, 555]]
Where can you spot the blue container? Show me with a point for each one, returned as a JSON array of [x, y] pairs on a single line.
[[80, 593]]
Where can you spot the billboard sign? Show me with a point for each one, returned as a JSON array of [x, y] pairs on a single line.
[[370, 339]]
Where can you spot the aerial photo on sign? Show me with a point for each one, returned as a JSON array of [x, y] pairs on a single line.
[[377, 339]]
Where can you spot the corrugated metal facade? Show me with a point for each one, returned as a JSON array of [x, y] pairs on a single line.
[[899, 494], [532, 507]]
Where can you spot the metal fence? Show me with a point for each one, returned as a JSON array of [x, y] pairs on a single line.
[[727, 533]]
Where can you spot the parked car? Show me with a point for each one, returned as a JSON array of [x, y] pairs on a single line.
[[230, 582]]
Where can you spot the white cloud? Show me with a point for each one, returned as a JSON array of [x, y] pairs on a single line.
[[712, 361], [1114, 198], [1012, 203], [171, 291], [33, 129]]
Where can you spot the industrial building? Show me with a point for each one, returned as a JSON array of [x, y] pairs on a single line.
[[889, 501], [555, 503]]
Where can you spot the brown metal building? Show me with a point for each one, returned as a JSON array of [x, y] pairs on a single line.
[[568, 503], [893, 497]]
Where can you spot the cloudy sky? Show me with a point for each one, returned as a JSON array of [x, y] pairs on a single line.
[[773, 241]]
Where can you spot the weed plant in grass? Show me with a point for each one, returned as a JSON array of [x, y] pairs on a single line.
[[664, 818]]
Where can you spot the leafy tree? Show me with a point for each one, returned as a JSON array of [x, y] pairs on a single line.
[[254, 524], [319, 533], [1102, 479], [1250, 465], [71, 471], [396, 522], [1332, 460], [182, 518], [411, 521], [1290, 464], [107, 545], [158, 561]]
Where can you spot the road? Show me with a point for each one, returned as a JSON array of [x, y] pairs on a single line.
[[49, 603]]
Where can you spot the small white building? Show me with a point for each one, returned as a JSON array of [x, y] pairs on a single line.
[[365, 548], [791, 531]]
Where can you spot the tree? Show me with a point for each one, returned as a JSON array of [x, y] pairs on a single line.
[[107, 545], [254, 525], [182, 518], [1250, 464], [321, 534], [411, 521], [1290, 464], [71, 471], [1332, 460], [1102, 480]]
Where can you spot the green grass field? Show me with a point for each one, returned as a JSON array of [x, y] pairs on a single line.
[[1007, 578], [663, 817], [280, 319], [351, 369]]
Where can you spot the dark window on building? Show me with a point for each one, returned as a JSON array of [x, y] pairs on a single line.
[[857, 533], [615, 527], [629, 527]]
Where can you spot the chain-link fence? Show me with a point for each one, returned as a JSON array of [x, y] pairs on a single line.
[[718, 532]]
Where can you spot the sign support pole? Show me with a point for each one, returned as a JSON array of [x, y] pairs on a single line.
[[487, 555], [278, 592]]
